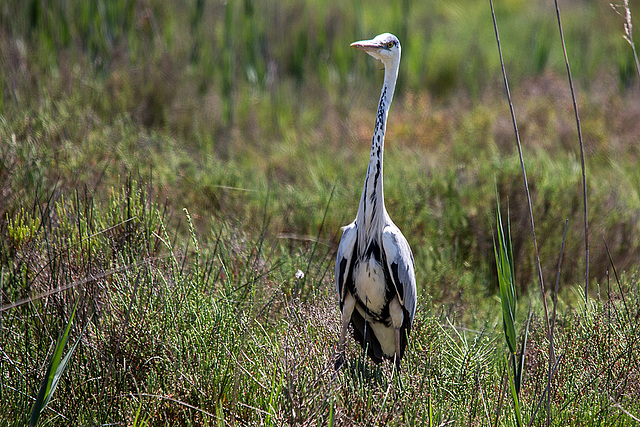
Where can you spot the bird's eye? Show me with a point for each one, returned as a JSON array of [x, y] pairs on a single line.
[[390, 45]]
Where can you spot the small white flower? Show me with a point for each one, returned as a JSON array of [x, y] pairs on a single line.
[[299, 274]]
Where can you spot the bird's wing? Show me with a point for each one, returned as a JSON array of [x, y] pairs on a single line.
[[401, 267], [344, 258]]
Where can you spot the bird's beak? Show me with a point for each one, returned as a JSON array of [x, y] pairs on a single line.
[[365, 45]]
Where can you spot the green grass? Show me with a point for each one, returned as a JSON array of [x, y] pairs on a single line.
[[169, 167]]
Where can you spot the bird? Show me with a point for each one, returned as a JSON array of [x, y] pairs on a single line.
[[375, 270]]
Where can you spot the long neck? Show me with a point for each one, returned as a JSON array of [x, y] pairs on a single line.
[[371, 211]]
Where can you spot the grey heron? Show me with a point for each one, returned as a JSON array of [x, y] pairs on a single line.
[[375, 271]]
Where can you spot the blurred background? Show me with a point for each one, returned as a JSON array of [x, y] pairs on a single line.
[[257, 113]]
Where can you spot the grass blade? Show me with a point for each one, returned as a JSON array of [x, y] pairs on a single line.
[[552, 351], [503, 251], [56, 368], [331, 415], [504, 266], [524, 172], [584, 176], [523, 353], [514, 395], [615, 273]]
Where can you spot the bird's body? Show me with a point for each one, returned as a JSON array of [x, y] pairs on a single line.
[[375, 278]]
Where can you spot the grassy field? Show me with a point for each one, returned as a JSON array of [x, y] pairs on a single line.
[[168, 168]]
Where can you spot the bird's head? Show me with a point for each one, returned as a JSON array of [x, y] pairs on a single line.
[[385, 47]]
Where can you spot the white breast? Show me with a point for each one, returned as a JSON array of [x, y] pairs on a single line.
[[369, 284]]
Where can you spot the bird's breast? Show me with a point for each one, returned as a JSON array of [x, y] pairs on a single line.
[[369, 281]]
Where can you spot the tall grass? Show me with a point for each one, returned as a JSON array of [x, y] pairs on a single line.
[[143, 112], [504, 257], [238, 127], [209, 330], [503, 251], [582, 164]]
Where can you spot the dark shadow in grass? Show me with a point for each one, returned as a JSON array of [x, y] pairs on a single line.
[[362, 372]]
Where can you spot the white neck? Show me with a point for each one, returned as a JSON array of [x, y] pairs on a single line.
[[372, 214]]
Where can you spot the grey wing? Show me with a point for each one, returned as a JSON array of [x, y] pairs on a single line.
[[401, 267], [344, 259]]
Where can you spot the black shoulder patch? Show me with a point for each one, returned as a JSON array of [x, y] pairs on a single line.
[[345, 273], [373, 251], [340, 278], [396, 279]]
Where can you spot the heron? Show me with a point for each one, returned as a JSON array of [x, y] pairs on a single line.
[[375, 270]]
